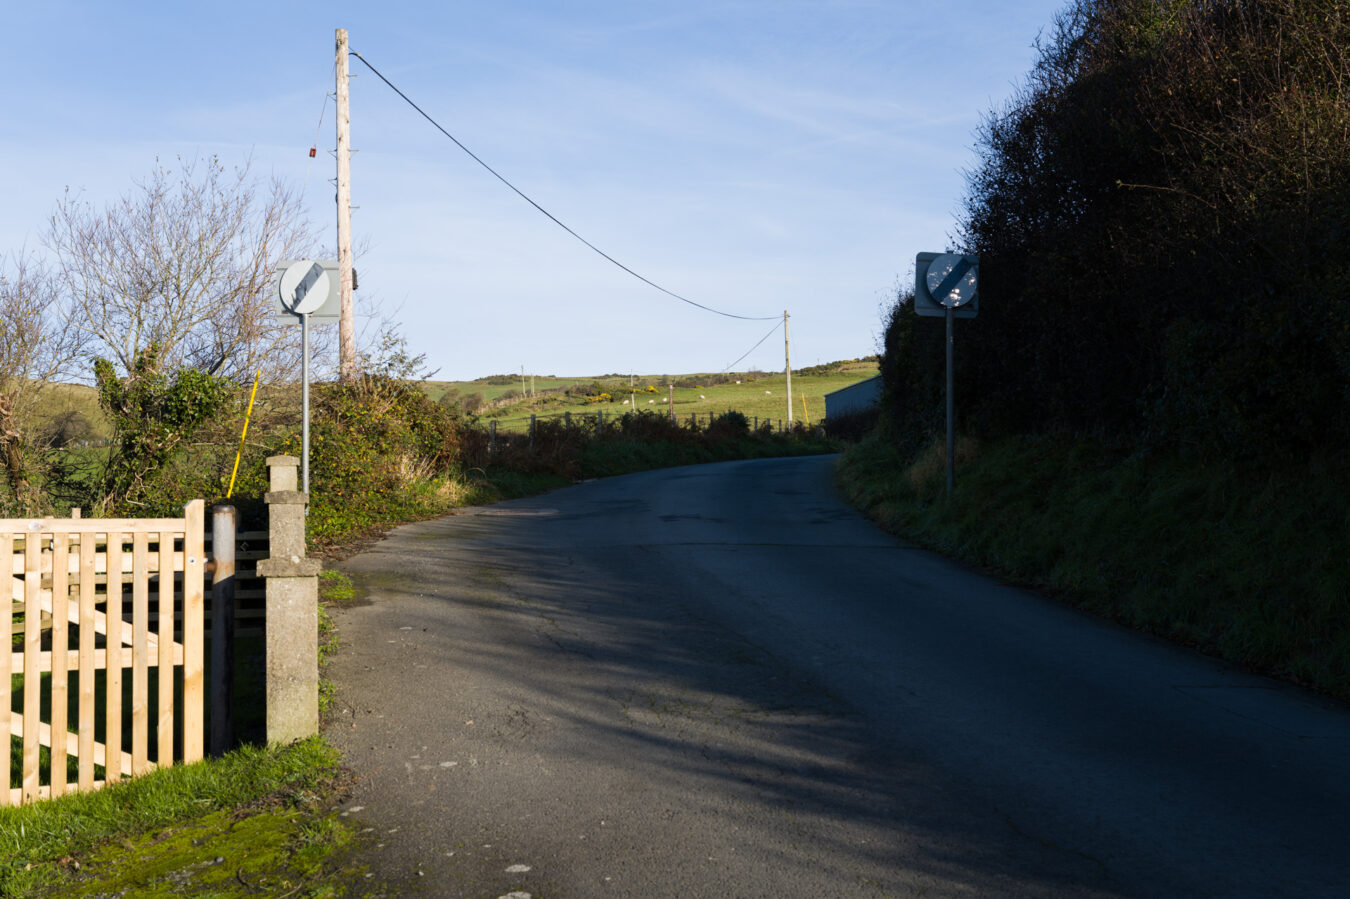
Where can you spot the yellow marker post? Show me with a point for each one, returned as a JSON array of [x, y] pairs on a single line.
[[806, 411], [247, 416]]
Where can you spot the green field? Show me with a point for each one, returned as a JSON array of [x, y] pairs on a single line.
[[757, 395]]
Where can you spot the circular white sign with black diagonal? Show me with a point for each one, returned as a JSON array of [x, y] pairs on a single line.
[[303, 287], [951, 280]]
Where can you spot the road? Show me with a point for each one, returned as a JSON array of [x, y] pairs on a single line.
[[721, 681]]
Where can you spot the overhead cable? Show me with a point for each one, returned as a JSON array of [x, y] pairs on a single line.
[[314, 145], [551, 216], [755, 347]]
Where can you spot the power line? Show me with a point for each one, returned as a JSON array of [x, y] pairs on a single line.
[[551, 216], [313, 147], [755, 347]]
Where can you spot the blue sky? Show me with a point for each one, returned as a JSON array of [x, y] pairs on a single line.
[[752, 156]]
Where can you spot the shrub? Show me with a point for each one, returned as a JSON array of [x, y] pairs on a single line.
[[371, 443], [729, 426], [153, 416], [68, 429], [852, 426]]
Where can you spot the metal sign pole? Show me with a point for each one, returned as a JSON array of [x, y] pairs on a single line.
[[951, 404], [304, 402], [946, 285], [306, 288]]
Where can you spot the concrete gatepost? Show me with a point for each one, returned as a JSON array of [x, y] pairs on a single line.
[[292, 611]]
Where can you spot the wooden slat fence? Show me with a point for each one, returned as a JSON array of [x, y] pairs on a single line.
[[118, 603], [249, 591]]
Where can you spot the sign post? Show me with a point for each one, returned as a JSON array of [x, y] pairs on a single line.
[[304, 288], [946, 284]]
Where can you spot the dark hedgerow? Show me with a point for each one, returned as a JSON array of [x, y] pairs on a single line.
[[1161, 214]]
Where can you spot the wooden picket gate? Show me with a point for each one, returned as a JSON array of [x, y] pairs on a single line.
[[83, 589]]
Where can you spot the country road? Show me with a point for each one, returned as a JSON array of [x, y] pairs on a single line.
[[721, 681]]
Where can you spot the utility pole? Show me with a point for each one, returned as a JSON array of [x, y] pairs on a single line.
[[523, 391], [346, 319], [787, 364]]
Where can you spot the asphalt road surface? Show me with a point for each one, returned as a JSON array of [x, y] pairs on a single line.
[[721, 681]]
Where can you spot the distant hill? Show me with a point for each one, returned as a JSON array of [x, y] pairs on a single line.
[[756, 394], [74, 408]]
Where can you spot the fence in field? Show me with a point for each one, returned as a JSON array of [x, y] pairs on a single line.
[[525, 424], [101, 649]]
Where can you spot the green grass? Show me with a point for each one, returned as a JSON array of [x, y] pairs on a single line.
[[335, 589], [70, 846], [1250, 566]]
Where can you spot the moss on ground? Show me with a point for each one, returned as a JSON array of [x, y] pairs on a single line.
[[280, 853], [256, 822]]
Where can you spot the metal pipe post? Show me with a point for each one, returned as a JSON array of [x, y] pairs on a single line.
[[304, 402], [951, 404], [222, 629]]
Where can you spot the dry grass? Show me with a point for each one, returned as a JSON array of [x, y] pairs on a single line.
[[928, 471]]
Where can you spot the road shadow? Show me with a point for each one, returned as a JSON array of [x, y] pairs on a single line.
[[600, 656]]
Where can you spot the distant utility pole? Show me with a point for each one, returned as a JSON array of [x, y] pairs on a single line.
[[346, 315], [787, 364], [523, 391]]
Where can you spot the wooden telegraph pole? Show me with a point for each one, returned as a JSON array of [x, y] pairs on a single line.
[[787, 364], [346, 320]]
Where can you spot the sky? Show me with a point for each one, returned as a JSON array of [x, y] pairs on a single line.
[[755, 156]]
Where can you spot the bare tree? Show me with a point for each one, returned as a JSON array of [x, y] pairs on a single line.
[[184, 261], [37, 346]]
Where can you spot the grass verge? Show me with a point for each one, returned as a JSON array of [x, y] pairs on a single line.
[[1250, 566], [214, 827]]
